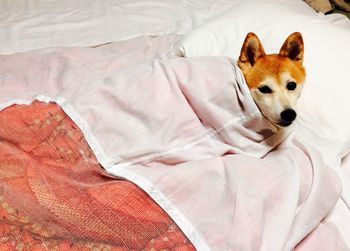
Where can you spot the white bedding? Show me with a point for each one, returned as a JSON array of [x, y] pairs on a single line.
[[189, 134], [326, 66], [220, 27], [324, 103], [35, 24]]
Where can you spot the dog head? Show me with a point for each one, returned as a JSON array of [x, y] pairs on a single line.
[[275, 80]]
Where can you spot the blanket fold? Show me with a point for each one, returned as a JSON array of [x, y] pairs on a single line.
[[189, 134]]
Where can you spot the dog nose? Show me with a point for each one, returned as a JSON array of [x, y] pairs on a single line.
[[288, 115]]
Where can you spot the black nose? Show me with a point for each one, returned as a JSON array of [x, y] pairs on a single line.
[[288, 115]]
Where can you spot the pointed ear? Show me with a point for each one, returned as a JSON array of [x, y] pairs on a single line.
[[293, 47], [252, 49]]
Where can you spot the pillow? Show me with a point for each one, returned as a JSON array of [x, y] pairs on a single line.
[[325, 101]]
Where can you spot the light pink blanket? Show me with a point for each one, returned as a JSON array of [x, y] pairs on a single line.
[[188, 133]]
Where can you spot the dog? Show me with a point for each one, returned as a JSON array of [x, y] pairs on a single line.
[[275, 81]]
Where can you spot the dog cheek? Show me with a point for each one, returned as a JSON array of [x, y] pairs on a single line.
[[264, 103], [265, 107]]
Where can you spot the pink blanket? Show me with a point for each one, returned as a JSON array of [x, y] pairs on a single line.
[[189, 134]]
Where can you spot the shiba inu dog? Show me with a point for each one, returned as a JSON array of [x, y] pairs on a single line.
[[275, 80]]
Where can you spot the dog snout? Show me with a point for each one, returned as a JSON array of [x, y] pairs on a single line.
[[288, 115]]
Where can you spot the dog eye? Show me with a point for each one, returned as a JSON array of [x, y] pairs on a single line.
[[265, 89], [291, 86]]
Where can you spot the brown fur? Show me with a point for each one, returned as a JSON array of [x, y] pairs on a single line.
[[273, 64]]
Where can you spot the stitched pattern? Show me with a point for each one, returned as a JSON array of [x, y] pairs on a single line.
[[55, 196]]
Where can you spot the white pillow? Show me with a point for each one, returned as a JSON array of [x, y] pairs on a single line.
[[325, 102]]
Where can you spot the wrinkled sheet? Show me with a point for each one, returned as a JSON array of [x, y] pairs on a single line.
[[54, 195], [35, 24], [189, 134], [320, 109]]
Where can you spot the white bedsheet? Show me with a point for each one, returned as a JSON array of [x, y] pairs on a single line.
[[325, 97], [35, 24]]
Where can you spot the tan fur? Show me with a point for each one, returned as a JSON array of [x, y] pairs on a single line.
[[273, 65], [274, 71]]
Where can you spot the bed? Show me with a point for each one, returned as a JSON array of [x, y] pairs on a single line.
[[127, 125]]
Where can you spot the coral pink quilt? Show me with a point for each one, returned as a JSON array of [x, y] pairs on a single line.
[[55, 196]]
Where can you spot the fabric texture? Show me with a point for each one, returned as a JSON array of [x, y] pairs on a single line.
[[37, 24], [189, 134], [182, 144], [224, 36], [55, 195], [321, 108]]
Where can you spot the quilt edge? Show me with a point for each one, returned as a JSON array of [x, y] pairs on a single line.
[[119, 170]]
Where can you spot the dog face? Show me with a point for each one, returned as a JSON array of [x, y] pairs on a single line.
[[275, 80]]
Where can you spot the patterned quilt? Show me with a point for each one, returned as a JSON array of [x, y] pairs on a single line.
[[55, 196]]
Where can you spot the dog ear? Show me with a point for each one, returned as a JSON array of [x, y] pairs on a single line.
[[252, 49], [293, 47]]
